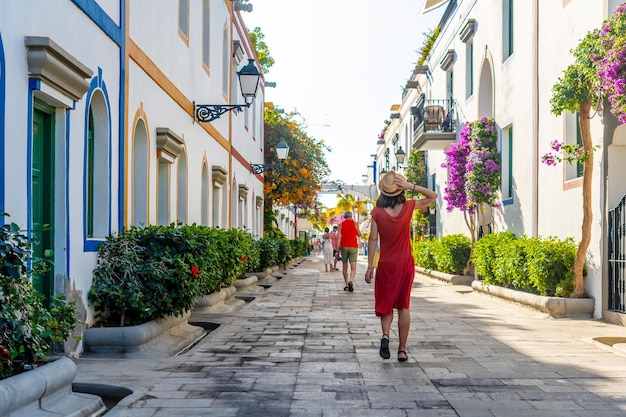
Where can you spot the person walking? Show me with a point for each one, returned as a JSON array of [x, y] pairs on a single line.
[[348, 237], [391, 220], [335, 247], [327, 250]]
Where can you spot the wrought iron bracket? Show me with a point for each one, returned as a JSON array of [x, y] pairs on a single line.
[[260, 168], [210, 112]]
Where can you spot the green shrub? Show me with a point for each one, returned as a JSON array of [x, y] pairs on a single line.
[[28, 330], [452, 254], [298, 248], [551, 266], [424, 253], [484, 255], [269, 252], [511, 268], [147, 273]]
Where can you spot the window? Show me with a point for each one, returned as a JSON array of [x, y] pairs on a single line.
[[206, 32], [506, 164], [181, 188], [163, 203], [140, 174], [469, 69], [573, 136], [204, 195], [225, 63], [97, 171], [507, 29], [183, 18]]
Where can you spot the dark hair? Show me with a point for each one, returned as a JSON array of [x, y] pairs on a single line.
[[327, 230], [384, 201]]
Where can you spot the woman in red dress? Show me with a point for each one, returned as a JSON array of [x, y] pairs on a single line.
[[391, 220]]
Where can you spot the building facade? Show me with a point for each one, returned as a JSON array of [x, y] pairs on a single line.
[[500, 59], [99, 128]]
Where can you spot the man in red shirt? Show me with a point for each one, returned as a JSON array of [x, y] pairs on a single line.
[[348, 238]]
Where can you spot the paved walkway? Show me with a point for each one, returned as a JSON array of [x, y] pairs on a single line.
[[306, 348]]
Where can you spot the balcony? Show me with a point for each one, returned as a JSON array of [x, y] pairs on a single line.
[[434, 124]]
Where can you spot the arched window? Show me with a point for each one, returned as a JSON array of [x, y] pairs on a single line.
[[97, 178], [140, 174], [206, 33], [204, 194], [225, 62], [181, 187]]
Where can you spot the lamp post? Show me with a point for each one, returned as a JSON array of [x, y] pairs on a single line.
[[282, 150], [249, 77], [400, 156]]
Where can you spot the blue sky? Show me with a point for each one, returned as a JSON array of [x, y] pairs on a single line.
[[341, 65]]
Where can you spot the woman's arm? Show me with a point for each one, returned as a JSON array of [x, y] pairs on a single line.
[[371, 251], [429, 195]]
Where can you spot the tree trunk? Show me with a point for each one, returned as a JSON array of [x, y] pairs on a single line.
[[581, 253], [470, 221]]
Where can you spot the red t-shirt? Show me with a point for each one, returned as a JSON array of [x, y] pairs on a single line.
[[349, 234]]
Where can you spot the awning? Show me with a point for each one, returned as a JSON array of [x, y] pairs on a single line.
[[430, 5]]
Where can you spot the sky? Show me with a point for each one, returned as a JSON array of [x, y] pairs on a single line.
[[340, 65]]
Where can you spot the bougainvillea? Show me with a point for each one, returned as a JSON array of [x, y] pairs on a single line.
[[611, 61], [473, 164]]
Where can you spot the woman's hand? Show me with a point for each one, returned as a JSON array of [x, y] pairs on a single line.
[[369, 274]]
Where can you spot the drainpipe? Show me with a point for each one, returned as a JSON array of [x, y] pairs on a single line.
[[535, 120]]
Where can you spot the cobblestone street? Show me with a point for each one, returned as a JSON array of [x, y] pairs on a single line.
[[303, 347]]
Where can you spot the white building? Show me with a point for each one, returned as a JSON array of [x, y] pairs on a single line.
[[99, 130], [500, 59]]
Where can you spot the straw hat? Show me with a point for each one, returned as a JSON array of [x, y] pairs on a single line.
[[387, 187]]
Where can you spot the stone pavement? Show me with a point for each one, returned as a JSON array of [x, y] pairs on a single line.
[[305, 348]]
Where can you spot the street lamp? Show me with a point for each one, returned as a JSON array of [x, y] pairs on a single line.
[[400, 155], [249, 77], [282, 150]]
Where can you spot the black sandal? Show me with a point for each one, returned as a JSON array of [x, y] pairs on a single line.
[[350, 287], [384, 347], [405, 358], [346, 288]]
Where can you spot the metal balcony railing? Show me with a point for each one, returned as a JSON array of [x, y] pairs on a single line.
[[434, 123]]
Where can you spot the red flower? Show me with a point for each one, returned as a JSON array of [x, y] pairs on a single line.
[[3, 351], [244, 258], [194, 271]]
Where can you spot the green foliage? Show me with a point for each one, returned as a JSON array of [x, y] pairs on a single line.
[[147, 273], [452, 253], [429, 41], [298, 247], [424, 253], [550, 266], [269, 249], [484, 254], [28, 330], [262, 50], [579, 82], [538, 265]]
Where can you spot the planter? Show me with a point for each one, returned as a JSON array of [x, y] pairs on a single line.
[[557, 307], [222, 301], [452, 279], [47, 391], [161, 337]]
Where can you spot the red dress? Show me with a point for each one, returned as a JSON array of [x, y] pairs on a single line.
[[396, 266]]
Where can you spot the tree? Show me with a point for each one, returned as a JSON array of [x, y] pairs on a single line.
[[577, 91], [298, 180], [473, 164], [262, 50]]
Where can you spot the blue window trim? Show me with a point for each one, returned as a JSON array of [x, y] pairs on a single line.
[[97, 84], [2, 126], [117, 33]]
